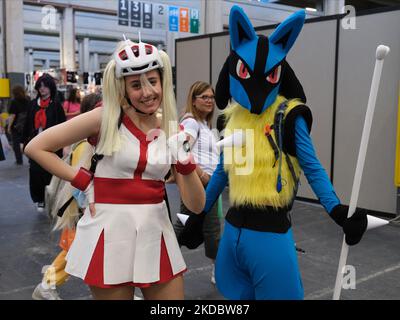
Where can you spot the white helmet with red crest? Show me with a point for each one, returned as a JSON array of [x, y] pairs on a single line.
[[136, 58]]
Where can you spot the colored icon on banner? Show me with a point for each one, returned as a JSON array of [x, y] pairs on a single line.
[[147, 15], [194, 21], [173, 18], [183, 19], [136, 14], [123, 12]]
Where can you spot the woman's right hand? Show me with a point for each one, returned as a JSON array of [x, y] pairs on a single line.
[[92, 209]]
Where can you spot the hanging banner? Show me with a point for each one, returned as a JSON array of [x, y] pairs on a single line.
[[150, 15], [160, 16], [136, 14], [183, 19], [194, 21], [173, 18], [123, 12], [147, 15]]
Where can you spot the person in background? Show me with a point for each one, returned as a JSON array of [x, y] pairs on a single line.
[[44, 112], [72, 104], [60, 95], [18, 111], [197, 123], [2, 156], [55, 274]]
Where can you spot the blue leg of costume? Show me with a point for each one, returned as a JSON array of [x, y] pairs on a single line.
[[258, 265]]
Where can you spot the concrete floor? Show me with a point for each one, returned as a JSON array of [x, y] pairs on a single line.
[[27, 244]]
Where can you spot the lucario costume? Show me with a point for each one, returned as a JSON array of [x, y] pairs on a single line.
[[256, 256]]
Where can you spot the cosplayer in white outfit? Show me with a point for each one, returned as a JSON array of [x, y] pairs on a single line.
[[131, 211], [125, 238]]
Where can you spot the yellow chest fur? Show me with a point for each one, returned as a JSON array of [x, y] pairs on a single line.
[[253, 169]]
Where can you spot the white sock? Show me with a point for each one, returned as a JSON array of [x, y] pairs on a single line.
[[45, 286]]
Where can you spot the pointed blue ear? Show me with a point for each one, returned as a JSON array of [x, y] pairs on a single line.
[[240, 27], [286, 34]]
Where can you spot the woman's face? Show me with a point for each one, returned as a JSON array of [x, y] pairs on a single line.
[[204, 102], [44, 91], [146, 98]]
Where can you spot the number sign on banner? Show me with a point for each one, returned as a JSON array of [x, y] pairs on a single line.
[[123, 12], [136, 14], [173, 18], [147, 15], [184, 19]]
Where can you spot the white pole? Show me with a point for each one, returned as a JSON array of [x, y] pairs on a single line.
[[381, 53]]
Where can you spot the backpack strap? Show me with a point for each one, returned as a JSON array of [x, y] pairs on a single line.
[[278, 127], [279, 152], [64, 207]]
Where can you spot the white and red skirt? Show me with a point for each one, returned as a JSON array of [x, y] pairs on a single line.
[[125, 245]]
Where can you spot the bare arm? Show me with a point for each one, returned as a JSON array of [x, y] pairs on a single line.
[[41, 149], [72, 113], [191, 190], [204, 177]]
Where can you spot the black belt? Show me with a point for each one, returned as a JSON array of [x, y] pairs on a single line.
[[260, 218]]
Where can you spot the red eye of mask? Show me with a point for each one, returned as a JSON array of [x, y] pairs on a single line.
[[275, 75], [242, 71]]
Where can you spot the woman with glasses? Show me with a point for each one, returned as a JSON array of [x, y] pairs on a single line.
[[197, 123]]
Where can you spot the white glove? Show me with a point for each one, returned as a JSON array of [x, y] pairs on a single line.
[[237, 139], [179, 147]]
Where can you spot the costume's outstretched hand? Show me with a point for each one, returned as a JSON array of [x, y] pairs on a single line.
[[192, 234], [353, 227]]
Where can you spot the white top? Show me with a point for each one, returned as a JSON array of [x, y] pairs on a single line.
[[205, 149]]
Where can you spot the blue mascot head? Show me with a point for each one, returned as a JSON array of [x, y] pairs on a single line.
[[256, 70]]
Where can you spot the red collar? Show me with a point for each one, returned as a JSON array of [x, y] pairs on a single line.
[[44, 103]]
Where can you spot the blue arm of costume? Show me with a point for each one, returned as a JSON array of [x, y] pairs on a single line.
[[312, 168], [216, 185]]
